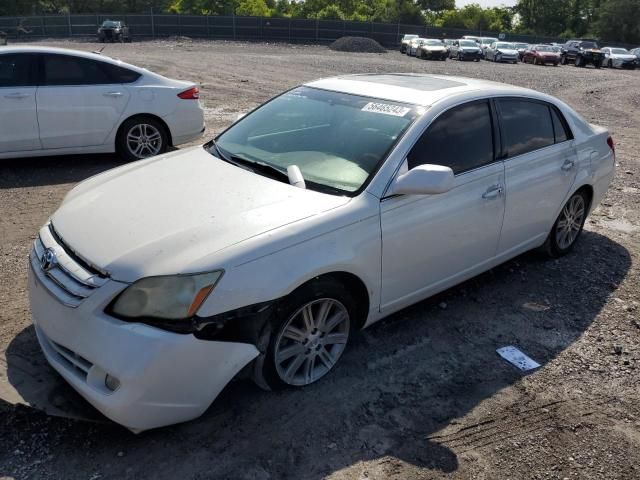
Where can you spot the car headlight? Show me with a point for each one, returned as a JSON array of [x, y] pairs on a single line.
[[175, 297]]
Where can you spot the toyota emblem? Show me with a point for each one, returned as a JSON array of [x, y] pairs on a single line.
[[48, 259]]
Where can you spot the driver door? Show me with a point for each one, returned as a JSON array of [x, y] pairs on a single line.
[[430, 242]]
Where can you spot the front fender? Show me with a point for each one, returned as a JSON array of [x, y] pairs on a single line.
[[353, 247]]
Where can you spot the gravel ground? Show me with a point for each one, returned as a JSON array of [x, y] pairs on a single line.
[[421, 394]]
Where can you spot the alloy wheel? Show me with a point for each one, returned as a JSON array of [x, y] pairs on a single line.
[[570, 222], [311, 341], [144, 140]]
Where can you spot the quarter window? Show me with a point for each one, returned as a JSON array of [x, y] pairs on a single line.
[[560, 128], [69, 70], [15, 70], [460, 138], [120, 74], [526, 126]]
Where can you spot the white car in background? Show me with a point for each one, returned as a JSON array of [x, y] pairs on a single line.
[[615, 57], [56, 101], [502, 52], [321, 212]]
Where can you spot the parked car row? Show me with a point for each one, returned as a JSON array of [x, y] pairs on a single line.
[[578, 52]]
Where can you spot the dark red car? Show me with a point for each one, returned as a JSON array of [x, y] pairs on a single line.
[[541, 55]]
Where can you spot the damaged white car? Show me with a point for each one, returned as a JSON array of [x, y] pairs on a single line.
[[322, 211]]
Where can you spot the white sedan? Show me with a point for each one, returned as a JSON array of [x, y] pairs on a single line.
[[324, 210], [619, 58], [56, 102]]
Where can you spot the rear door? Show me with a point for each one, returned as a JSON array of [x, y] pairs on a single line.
[[18, 117], [540, 168], [79, 103]]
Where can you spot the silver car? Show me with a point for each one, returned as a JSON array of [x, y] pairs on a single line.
[[502, 52], [619, 58]]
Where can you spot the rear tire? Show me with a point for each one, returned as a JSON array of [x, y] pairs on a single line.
[[141, 137], [568, 226], [303, 347]]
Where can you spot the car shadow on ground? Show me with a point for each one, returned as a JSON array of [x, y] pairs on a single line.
[[44, 171], [400, 383]]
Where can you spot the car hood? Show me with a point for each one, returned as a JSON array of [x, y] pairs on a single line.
[[470, 49], [434, 48], [623, 56], [507, 51], [163, 215]]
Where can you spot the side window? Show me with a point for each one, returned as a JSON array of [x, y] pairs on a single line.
[[526, 126], [70, 70], [120, 74], [460, 138], [560, 128], [15, 70]]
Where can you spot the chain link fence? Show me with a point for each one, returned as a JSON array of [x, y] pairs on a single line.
[[293, 30]]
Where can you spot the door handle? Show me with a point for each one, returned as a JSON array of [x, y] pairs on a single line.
[[492, 192], [567, 165], [112, 94], [17, 95]]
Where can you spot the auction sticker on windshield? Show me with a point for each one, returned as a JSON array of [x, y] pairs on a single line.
[[385, 108]]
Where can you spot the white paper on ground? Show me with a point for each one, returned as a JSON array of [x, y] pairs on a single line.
[[517, 358]]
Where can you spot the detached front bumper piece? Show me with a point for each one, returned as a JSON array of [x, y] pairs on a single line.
[[137, 375]]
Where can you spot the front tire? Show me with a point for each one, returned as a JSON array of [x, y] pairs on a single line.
[[141, 137], [311, 329], [568, 226]]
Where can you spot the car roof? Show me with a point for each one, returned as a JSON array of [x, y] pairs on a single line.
[[68, 51], [412, 88]]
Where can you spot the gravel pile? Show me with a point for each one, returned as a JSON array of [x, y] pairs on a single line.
[[357, 44]]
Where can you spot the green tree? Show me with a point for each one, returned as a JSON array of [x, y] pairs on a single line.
[[619, 20], [253, 8]]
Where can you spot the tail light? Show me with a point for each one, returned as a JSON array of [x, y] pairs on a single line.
[[191, 94], [611, 144]]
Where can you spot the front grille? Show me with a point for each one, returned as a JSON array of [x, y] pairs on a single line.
[[68, 279], [75, 363]]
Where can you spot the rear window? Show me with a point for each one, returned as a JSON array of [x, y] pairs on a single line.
[[526, 126], [588, 44]]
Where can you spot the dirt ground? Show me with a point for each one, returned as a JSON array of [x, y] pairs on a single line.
[[419, 395]]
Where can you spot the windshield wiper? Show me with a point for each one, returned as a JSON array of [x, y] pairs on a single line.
[[260, 167]]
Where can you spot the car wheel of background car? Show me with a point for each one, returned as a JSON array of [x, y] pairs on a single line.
[[568, 225], [141, 137], [609, 64], [535, 61], [459, 56], [597, 64], [563, 60], [311, 330], [578, 62]]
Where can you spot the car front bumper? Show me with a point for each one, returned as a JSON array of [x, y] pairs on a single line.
[[471, 55], [164, 377], [434, 55]]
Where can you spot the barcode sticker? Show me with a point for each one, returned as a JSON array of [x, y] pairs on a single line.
[[386, 109]]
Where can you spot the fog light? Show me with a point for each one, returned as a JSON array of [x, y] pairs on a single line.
[[112, 383]]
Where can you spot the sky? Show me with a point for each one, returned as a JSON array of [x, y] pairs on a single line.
[[487, 3]]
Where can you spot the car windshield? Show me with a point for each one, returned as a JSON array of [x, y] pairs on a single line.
[[522, 45], [588, 45], [544, 48], [506, 46], [110, 24], [488, 41], [468, 43], [620, 51], [409, 37], [337, 140], [433, 42]]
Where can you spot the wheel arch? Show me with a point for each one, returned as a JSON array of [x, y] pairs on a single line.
[[146, 115], [354, 285]]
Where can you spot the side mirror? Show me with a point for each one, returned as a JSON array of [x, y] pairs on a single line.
[[424, 180]]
